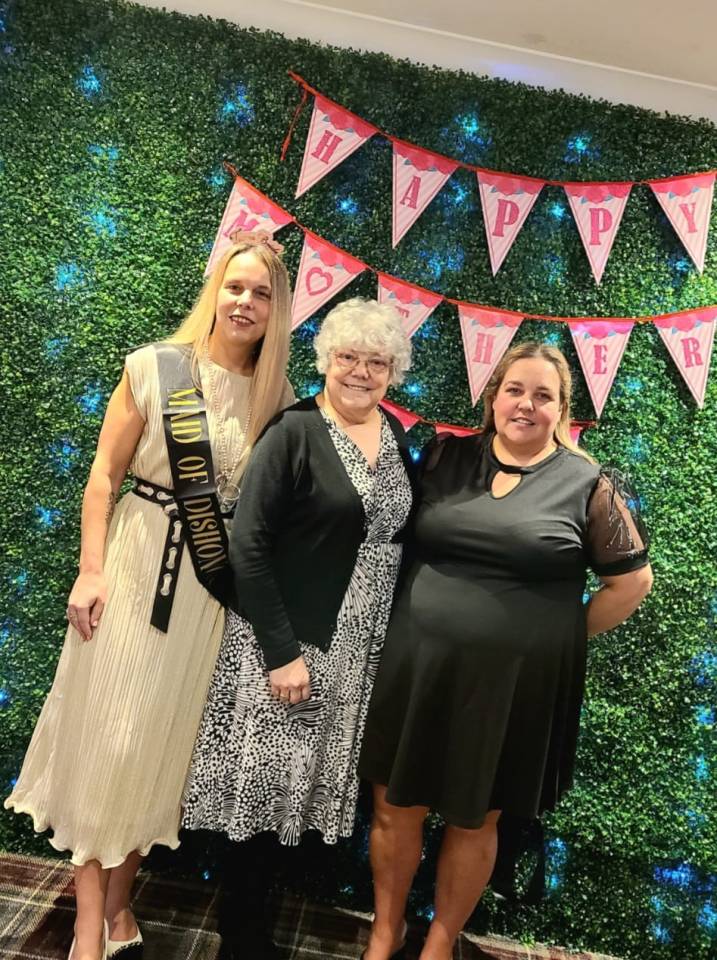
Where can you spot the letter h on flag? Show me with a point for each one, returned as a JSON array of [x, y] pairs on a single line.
[[334, 134]]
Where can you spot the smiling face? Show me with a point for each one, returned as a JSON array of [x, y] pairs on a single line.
[[355, 389], [527, 405], [243, 302]]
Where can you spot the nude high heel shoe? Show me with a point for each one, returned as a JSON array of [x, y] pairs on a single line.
[[105, 941]]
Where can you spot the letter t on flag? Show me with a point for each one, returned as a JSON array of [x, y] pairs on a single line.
[[334, 134]]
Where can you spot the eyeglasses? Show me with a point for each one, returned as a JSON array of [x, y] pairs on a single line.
[[377, 366]]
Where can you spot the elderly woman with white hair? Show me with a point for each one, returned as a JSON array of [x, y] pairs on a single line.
[[316, 550]]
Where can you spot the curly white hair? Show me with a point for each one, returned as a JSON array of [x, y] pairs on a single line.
[[366, 325]]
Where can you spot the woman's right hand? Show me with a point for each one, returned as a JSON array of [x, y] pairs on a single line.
[[86, 603], [290, 683]]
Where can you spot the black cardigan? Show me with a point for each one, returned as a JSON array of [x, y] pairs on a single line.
[[296, 532]]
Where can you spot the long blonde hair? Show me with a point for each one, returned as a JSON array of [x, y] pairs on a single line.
[[530, 350], [272, 351]]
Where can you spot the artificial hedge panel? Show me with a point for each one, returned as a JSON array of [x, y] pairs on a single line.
[[115, 120]]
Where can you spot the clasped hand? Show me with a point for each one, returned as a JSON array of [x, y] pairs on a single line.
[[291, 683]]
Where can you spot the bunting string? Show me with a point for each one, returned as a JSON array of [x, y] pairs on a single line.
[[308, 89], [486, 331]]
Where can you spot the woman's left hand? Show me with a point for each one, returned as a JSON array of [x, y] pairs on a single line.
[[291, 683]]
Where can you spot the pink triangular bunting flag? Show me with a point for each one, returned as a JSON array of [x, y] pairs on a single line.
[[455, 430], [600, 345], [414, 304], [486, 336], [687, 201], [506, 202], [247, 209], [598, 210], [689, 337], [406, 418], [576, 429], [324, 270], [418, 175], [334, 134]]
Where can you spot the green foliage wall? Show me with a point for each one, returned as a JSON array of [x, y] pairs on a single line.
[[114, 121]]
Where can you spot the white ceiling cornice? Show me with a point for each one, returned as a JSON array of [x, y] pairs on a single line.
[[426, 44]]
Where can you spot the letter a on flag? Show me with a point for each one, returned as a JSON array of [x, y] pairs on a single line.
[[418, 175], [324, 270], [486, 337], [246, 209], [506, 202], [687, 201], [334, 134], [689, 337], [600, 345], [598, 210]]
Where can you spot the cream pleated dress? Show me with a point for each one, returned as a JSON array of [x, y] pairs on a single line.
[[112, 746]]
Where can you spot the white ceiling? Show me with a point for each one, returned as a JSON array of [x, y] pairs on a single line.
[[624, 50]]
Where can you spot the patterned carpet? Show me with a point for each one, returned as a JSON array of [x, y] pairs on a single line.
[[178, 921]]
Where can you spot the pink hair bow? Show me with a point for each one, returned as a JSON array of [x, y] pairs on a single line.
[[258, 237]]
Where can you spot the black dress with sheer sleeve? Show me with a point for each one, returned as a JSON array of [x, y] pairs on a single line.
[[477, 700]]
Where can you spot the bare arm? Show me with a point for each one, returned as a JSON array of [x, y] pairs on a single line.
[[617, 599], [121, 430]]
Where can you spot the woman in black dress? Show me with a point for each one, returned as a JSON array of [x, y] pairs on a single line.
[[476, 705]]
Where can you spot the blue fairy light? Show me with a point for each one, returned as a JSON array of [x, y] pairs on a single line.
[[102, 154], [4, 697], [206, 875], [20, 582], [55, 347], [436, 264], [702, 770], [414, 388], [415, 453], [586, 597], [311, 388], [238, 107], [557, 211], [555, 268], [103, 223], [217, 180], [47, 517], [6, 631], [427, 331], [2, 25], [632, 385], [707, 918], [553, 339], [661, 933], [88, 82], [63, 454], [348, 206], [680, 264], [580, 146], [639, 448], [704, 716], [91, 399], [704, 668], [683, 875], [13, 782], [658, 904], [307, 330], [556, 857], [471, 132], [67, 276]]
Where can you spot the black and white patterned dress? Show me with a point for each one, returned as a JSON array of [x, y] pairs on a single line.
[[260, 764]]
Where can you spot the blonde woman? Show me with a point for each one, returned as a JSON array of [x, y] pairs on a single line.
[[476, 705], [111, 749]]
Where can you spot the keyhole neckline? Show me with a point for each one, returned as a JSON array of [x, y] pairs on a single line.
[[515, 468]]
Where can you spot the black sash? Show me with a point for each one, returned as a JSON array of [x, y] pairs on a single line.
[[190, 459]]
